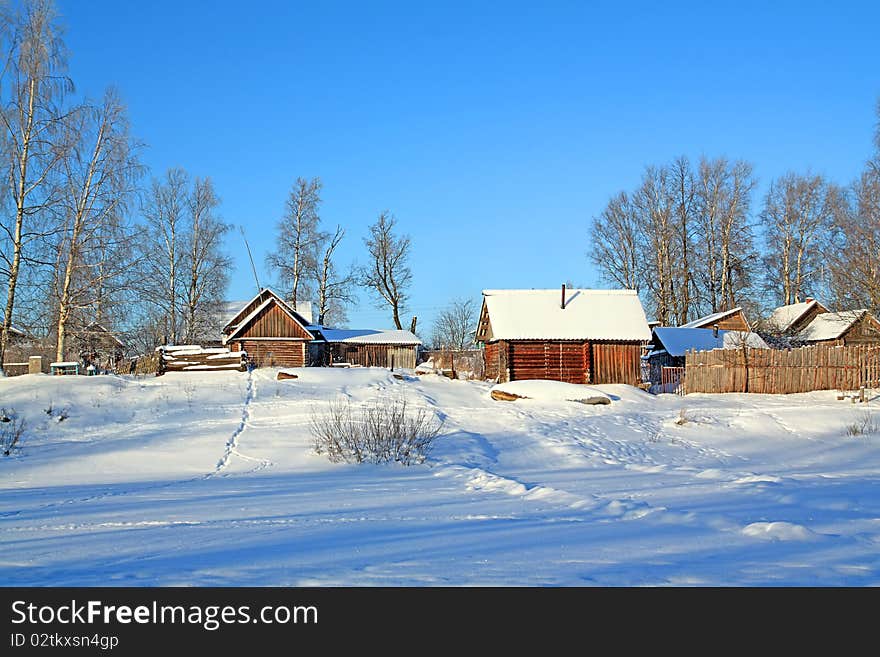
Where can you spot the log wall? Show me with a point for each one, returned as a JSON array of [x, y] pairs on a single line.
[[375, 355], [272, 353], [559, 361]]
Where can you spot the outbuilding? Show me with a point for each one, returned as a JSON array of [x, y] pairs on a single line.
[[572, 335]]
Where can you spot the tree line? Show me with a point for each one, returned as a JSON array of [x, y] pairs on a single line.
[[692, 240], [84, 241]]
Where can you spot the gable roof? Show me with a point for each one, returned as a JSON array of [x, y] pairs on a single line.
[[269, 298], [784, 317], [830, 326], [238, 318], [588, 315], [677, 341], [369, 336], [708, 320]]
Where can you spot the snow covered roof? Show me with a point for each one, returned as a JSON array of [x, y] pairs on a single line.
[[708, 320], [784, 317], [830, 326], [369, 336], [677, 341], [588, 315]]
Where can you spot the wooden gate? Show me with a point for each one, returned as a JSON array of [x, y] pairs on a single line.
[[616, 363]]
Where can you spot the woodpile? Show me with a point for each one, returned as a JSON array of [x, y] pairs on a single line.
[[192, 358]]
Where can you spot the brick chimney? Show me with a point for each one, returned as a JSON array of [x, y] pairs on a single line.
[[563, 297]]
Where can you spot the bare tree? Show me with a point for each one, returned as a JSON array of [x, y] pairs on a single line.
[[297, 236], [655, 210], [32, 119], [726, 249], [206, 266], [388, 274], [797, 216], [615, 243], [683, 191], [454, 325], [97, 176], [164, 210], [334, 289]]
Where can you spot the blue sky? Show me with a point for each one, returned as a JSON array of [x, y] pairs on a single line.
[[494, 131]]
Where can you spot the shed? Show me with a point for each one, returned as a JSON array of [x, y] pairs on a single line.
[[726, 320], [670, 344], [850, 327], [99, 347], [270, 331], [577, 335], [367, 347]]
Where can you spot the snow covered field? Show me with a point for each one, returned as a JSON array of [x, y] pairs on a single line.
[[210, 479]]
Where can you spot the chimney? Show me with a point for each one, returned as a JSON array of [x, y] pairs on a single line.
[[715, 330], [563, 297]]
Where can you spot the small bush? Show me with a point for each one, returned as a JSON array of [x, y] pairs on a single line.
[[378, 433], [865, 424], [11, 429]]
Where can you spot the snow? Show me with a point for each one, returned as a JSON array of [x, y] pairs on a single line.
[[830, 326], [370, 336], [784, 317], [544, 390], [678, 341], [708, 320], [588, 315], [64, 363], [209, 479]]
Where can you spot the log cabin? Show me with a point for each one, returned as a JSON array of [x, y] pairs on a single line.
[[726, 320], [270, 331], [576, 335], [849, 327]]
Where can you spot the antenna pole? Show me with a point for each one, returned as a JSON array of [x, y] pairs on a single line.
[[253, 266]]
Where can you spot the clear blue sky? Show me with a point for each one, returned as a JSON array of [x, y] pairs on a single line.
[[493, 130]]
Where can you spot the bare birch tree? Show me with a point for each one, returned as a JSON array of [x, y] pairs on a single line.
[[33, 89], [97, 177], [798, 213], [615, 243], [388, 275], [334, 289], [164, 210], [297, 236], [205, 265]]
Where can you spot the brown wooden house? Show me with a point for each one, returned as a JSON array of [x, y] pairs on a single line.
[[577, 336], [367, 347], [270, 331], [726, 320], [850, 327]]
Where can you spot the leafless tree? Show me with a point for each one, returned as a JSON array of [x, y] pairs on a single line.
[[798, 214], [33, 89], [454, 325], [97, 175], [615, 243], [388, 274], [298, 233], [334, 288], [655, 210], [683, 191], [206, 265], [164, 210], [726, 248]]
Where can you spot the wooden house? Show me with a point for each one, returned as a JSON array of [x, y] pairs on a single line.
[[792, 319], [670, 344], [99, 347], [366, 347], [726, 320], [270, 331], [850, 327], [577, 336]]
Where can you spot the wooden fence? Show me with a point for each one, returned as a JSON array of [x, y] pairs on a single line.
[[772, 371], [457, 363], [672, 380]]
